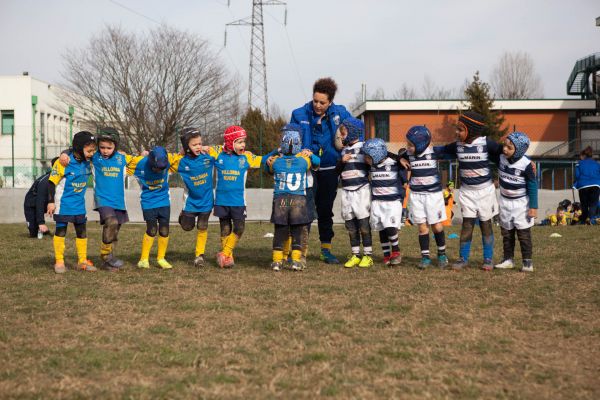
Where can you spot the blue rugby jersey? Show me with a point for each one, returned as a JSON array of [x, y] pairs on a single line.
[[71, 184], [197, 175], [109, 178], [232, 170], [387, 181], [355, 172], [473, 161], [424, 176], [517, 180], [290, 175], [155, 185]]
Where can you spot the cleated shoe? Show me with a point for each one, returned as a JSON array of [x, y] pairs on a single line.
[[395, 258], [229, 262], [164, 264], [442, 261], [327, 257], [487, 265], [276, 266], [352, 262], [298, 265], [527, 266], [506, 264], [60, 268], [143, 264], [366, 262], [386, 260], [425, 263], [199, 261], [221, 259], [86, 266], [111, 262], [460, 264]]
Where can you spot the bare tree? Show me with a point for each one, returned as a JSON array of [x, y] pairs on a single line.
[[150, 85], [405, 93], [432, 91], [514, 77]]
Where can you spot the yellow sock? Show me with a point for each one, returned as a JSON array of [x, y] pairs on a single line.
[[326, 246], [147, 243], [223, 241], [287, 247], [81, 246], [296, 254], [163, 242], [105, 249], [201, 242], [59, 249], [230, 244], [277, 255]]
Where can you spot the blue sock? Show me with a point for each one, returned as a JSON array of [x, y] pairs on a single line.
[[465, 250], [488, 246]]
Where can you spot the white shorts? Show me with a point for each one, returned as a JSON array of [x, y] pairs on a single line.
[[356, 203], [513, 213], [480, 203], [386, 214], [426, 207]]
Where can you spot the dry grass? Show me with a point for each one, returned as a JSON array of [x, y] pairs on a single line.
[[251, 333]]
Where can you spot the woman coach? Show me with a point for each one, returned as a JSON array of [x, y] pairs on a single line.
[[320, 119]]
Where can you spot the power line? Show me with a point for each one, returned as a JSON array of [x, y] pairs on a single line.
[[135, 12]]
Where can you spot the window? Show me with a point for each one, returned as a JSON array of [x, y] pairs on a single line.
[[8, 122], [7, 171], [382, 125]]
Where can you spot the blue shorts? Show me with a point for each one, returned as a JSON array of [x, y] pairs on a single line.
[[106, 212], [160, 214], [231, 212], [74, 219]]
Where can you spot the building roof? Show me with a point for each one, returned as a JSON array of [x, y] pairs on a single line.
[[452, 105]]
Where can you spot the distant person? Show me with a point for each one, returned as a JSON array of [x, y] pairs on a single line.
[[35, 204], [558, 219], [587, 182], [320, 119]]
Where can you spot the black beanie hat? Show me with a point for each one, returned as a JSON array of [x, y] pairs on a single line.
[[474, 123], [80, 140]]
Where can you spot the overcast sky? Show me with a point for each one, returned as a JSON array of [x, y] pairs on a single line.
[[381, 43]]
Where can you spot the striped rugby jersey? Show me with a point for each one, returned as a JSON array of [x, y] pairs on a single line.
[[387, 181], [355, 172], [424, 176]]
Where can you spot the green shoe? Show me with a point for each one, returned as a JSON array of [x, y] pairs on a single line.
[[327, 257], [352, 262], [144, 264], [366, 262], [164, 264]]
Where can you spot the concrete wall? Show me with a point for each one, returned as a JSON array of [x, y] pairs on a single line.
[[258, 200]]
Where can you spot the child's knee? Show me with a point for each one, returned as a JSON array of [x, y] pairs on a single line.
[[423, 229], [202, 224], [239, 225], [187, 222], [151, 228], [110, 230]]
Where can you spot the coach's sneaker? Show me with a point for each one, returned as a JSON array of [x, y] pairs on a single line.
[[395, 258], [143, 264], [60, 268], [199, 261], [460, 264], [111, 262], [366, 261], [276, 266], [527, 266], [164, 264], [506, 264], [487, 265], [327, 257], [86, 266], [442, 261], [425, 263], [352, 262]]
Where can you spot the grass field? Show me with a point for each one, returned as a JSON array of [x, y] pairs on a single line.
[[252, 333]]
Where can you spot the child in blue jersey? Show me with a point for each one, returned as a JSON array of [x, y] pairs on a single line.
[[196, 169], [356, 192], [152, 172], [109, 168], [518, 200], [232, 162], [387, 194], [477, 194], [426, 201], [290, 211], [66, 200]]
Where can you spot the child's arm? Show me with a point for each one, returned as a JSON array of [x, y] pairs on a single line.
[[494, 150], [174, 159], [132, 164], [532, 191], [58, 172], [254, 160], [447, 152]]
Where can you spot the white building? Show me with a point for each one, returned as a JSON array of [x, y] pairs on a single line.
[[35, 127]]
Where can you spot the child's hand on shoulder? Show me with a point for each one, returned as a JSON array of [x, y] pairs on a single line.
[[144, 153], [405, 164], [306, 153], [346, 157], [121, 152], [270, 161], [50, 209]]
